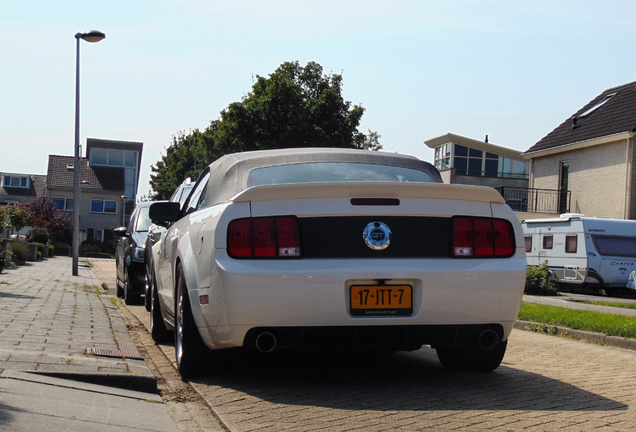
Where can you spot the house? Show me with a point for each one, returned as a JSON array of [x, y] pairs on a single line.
[[589, 158], [21, 188], [464, 160], [109, 176], [468, 161]]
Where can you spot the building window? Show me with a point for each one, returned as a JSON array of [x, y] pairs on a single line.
[[113, 157], [528, 243], [491, 165], [547, 242], [103, 206], [512, 168], [443, 156], [474, 162], [65, 204], [98, 234], [14, 181], [570, 243]]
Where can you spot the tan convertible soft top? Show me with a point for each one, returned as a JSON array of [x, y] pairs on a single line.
[[229, 174]]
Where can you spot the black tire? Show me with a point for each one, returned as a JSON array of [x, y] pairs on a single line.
[[472, 359], [118, 285], [148, 293], [189, 347], [158, 329], [129, 298]]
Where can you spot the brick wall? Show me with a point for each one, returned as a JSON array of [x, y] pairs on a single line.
[[598, 178]]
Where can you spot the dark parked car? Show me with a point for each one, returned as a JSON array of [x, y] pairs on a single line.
[[130, 253]]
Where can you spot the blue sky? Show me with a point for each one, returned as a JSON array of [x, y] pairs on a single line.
[[513, 70]]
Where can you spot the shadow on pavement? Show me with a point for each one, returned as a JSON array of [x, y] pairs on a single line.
[[6, 418], [404, 381], [13, 295]]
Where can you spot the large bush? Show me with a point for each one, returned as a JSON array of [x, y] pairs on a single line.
[[58, 223], [94, 248], [20, 251], [2, 254], [541, 281], [61, 249], [38, 235]]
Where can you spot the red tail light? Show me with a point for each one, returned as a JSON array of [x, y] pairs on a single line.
[[240, 237], [482, 237], [504, 237], [264, 238], [274, 237]]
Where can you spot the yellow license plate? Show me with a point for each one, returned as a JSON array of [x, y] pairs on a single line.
[[370, 300]]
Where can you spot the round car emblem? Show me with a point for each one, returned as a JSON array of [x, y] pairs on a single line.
[[377, 235]]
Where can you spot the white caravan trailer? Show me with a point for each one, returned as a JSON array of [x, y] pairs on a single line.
[[589, 251]]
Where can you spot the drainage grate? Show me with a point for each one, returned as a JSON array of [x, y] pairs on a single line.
[[114, 353]]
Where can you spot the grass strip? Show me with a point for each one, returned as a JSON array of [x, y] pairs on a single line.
[[599, 322], [612, 304]]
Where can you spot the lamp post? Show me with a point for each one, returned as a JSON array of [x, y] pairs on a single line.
[[89, 36]]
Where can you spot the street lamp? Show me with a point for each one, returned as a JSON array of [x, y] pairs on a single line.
[[89, 36]]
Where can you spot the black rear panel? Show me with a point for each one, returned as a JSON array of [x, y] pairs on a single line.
[[341, 237]]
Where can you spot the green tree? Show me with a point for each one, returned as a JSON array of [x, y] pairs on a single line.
[[18, 217], [186, 157], [294, 107]]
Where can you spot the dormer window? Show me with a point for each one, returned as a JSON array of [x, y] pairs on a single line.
[[16, 181], [603, 101]]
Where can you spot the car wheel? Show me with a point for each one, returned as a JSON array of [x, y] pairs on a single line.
[[158, 329], [472, 359], [189, 347], [129, 298], [118, 285], [147, 294]]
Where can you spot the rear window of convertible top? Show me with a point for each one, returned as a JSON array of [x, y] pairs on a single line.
[[329, 172]]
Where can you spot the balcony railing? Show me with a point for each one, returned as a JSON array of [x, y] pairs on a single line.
[[533, 200]]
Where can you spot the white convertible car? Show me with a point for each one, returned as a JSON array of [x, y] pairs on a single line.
[[336, 248]]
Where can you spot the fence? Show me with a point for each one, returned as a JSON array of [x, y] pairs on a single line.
[[533, 200]]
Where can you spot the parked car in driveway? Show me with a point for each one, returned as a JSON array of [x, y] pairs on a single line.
[[155, 232], [130, 254], [337, 248]]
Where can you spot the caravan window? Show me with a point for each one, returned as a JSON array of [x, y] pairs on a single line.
[[616, 246], [547, 242], [528, 243], [570, 243]]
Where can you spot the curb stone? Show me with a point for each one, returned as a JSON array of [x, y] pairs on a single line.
[[600, 338]]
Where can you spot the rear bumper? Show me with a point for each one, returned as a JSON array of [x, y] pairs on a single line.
[[309, 299], [396, 337]]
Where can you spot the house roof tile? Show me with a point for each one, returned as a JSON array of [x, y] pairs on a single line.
[[60, 175], [615, 116]]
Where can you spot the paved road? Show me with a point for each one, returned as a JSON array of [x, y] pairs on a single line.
[[544, 383]]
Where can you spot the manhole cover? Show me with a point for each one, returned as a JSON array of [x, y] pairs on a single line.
[[114, 353]]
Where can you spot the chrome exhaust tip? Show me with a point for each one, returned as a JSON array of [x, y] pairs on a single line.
[[265, 342], [488, 339]]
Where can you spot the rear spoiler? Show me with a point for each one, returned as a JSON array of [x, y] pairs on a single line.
[[370, 190]]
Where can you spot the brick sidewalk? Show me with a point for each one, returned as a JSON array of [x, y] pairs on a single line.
[[48, 319]]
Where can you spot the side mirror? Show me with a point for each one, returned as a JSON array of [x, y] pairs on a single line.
[[120, 232], [164, 213]]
